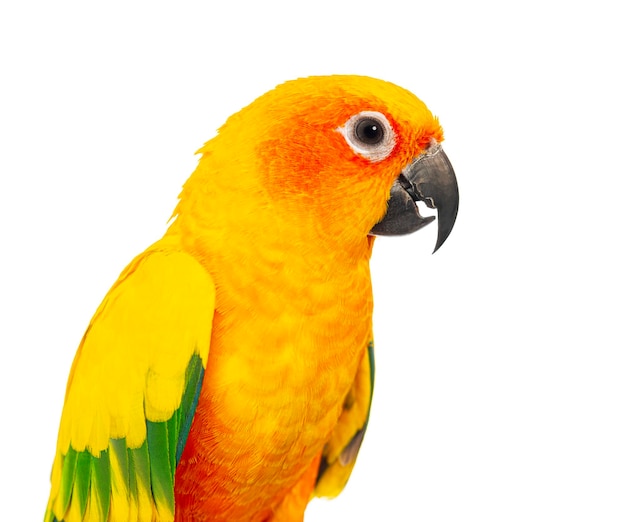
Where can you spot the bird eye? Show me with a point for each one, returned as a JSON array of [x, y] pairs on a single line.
[[369, 131], [370, 135]]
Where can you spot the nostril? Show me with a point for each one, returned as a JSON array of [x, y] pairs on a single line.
[[433, 148]]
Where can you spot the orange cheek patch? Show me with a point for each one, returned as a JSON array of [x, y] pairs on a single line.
[[306, 158]]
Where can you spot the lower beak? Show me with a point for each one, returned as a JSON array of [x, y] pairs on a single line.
[[429, 178]]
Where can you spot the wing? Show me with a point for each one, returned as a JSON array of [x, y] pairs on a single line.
[[132, 393], [340, 452]]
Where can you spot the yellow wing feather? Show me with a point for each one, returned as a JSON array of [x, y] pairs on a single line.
[[130, 370], [341, 450]]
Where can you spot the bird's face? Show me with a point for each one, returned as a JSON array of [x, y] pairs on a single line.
[[334, 158], [354, 154]]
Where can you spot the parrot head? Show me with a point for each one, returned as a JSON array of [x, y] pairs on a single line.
[[343, 156]]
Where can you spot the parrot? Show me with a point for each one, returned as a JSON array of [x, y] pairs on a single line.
[[228, 373]]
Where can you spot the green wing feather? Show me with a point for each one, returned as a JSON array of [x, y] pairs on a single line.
[[148, 470]]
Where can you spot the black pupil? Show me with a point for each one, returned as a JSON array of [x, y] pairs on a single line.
[[369, 131]]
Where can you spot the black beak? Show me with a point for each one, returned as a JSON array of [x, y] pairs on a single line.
[[429, 178]]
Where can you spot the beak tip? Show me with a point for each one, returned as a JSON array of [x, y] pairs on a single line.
[[438, 245], [445, 223]]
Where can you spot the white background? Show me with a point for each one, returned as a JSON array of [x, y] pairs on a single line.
[[501, 387]]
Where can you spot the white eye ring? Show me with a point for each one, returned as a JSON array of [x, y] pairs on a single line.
[[370, 135]]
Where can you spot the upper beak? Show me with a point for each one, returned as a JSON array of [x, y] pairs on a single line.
[[429, 178]]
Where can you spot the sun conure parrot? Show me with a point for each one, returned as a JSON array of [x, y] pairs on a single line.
[[227, 375]]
